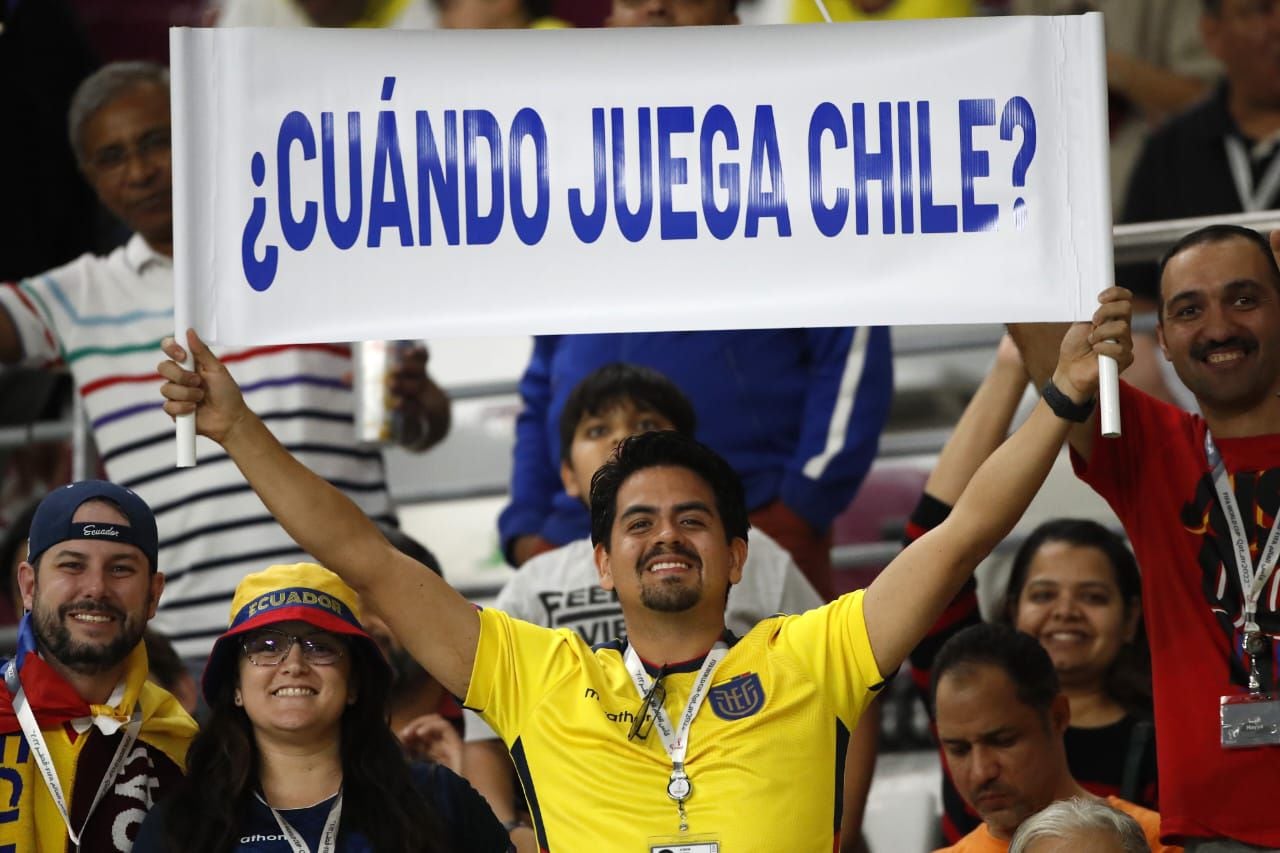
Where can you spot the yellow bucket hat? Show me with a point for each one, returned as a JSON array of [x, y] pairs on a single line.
[[301, 592]]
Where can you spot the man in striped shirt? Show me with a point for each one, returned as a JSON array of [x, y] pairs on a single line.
[[104, 317]]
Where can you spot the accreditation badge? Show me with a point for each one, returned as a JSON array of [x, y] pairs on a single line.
[[683, 844], [1250, 719]]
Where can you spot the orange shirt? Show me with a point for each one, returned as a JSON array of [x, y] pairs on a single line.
[[982, 841]]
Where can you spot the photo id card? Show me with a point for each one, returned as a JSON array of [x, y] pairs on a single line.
[[1252, 719], [684, 844]]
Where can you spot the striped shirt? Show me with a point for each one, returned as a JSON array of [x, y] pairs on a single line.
[[104, 317]]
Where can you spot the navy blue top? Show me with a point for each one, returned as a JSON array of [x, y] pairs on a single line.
[[467, 818]]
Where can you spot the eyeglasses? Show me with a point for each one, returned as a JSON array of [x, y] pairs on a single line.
[[269, 648], [649, 707], [112, 158]]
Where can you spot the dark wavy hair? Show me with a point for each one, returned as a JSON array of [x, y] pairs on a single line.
[[666, 448], [1018, 655], [1128, 679], [379, 797], [1218, 234]]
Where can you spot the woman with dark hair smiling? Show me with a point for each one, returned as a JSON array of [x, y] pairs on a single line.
[[296, 754]]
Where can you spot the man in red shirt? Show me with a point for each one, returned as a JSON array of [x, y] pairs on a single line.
[[1212, 618]]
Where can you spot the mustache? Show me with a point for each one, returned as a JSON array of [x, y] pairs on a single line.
[[996, 788], [1201, 351], [677, 548], [90, 606]]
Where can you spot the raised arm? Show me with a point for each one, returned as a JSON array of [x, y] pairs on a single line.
[[1039, 344], [436, 624], [909, 595]]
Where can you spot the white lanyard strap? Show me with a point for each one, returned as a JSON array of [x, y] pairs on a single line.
[[44, 761], [328, 836], [1251, 198], [1252, 580], [676, 741]]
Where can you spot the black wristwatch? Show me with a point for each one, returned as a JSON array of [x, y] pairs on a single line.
[[1064, 407]]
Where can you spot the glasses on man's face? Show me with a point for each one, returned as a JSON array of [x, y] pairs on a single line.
[[114, 157], [269, 648], [649, 706]]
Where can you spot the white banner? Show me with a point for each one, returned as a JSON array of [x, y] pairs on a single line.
[[349, 185]]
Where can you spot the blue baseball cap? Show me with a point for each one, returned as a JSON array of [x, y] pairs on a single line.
[[52, 522]]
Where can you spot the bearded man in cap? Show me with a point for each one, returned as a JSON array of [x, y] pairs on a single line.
[[87, 743]]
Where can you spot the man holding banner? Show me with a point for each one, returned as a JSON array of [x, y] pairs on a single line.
[[606, 762], [1199, 497]]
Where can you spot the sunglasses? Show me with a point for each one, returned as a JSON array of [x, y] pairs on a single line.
[[650, 704], [269, 648]]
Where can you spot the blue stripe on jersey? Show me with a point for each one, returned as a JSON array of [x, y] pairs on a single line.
[[220, 457], [302, 379], [530, 795], [126, 412], [239, 488], [167, 435], [221, 527], [262, 557], [279, 382], [100, 319]]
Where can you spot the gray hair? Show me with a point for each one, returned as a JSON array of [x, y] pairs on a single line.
[[1066, 819], [104, 86]]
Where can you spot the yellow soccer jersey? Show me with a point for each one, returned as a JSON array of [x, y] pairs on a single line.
[[765, 751]]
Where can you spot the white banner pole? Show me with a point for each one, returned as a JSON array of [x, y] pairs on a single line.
[[1108, 370], [183, 274]]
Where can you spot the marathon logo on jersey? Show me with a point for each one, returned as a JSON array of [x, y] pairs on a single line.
[[739, 697]]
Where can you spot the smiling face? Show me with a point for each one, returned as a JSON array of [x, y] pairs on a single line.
[[596, 437], [1005, 757], [668, 551], [127, 161], [297, 700], [1220, 324], [90, 599], [1071, 603]]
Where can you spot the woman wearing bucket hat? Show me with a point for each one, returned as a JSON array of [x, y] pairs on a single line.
[[296, 754]]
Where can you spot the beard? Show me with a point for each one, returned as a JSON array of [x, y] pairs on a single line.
[[86, 658], [670, 595]]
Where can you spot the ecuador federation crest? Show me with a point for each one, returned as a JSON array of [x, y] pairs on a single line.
[[739, 697]]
